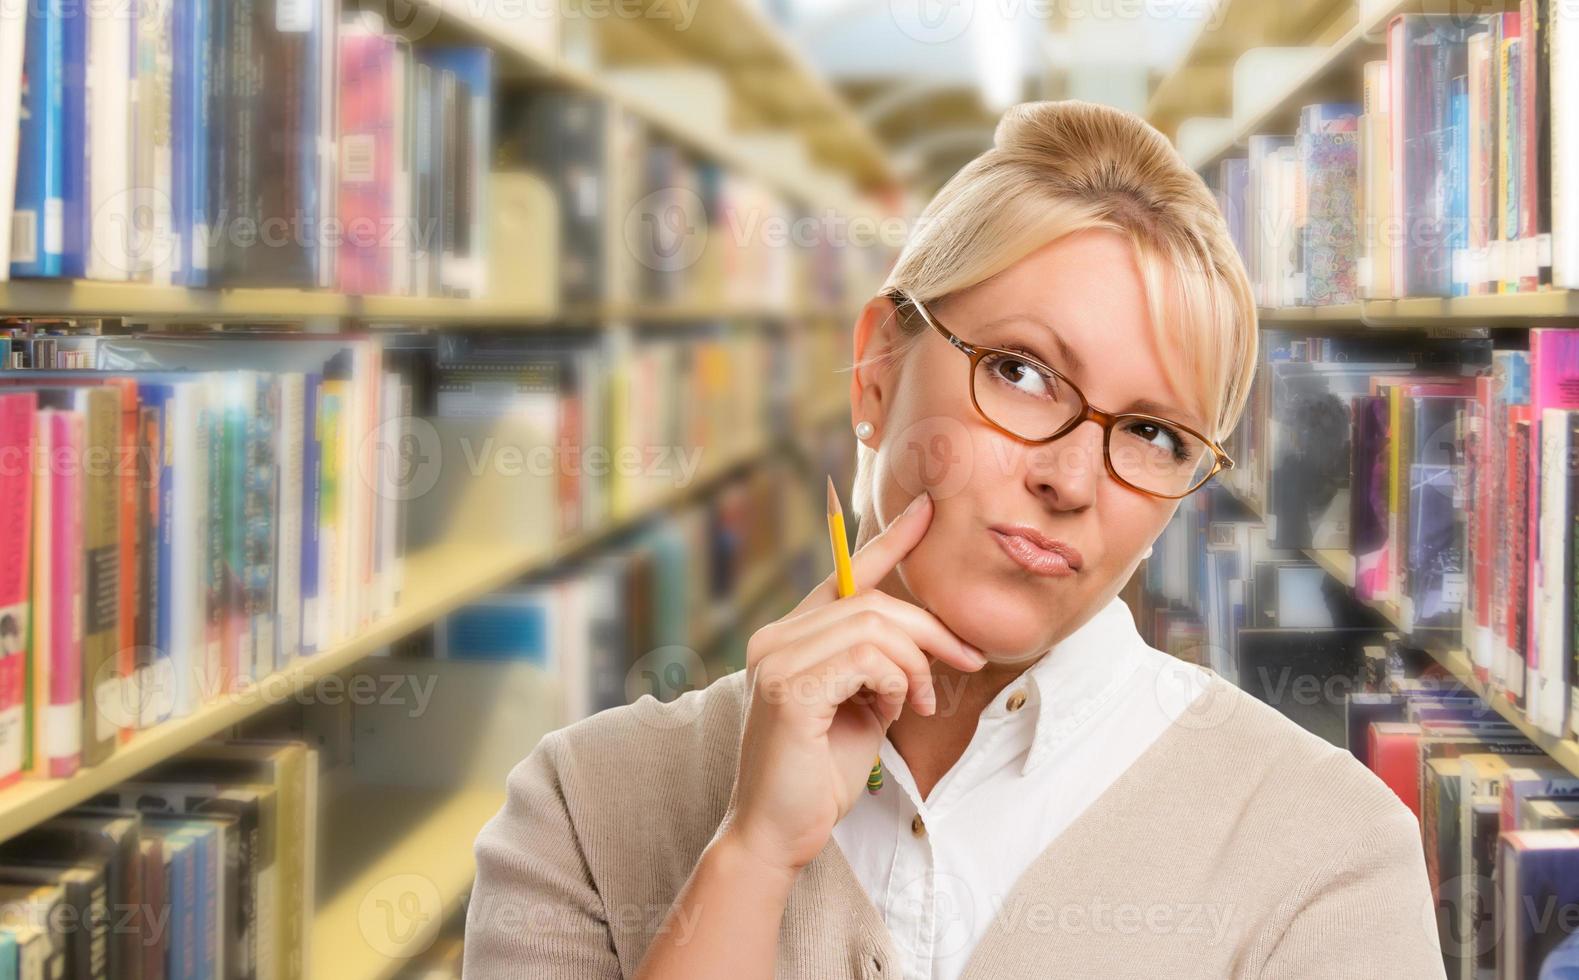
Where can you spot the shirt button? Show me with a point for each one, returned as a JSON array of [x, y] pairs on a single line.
[[917, 827], [1016, 701]]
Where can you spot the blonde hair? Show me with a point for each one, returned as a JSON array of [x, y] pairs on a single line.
[[1056, 168]]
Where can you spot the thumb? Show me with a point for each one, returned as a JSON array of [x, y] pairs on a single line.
[[875, 559]]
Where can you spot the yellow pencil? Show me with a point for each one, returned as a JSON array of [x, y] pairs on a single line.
[[846, 582]]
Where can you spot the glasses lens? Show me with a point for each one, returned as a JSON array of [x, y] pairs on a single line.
[[1153, 455], [1022, 396]]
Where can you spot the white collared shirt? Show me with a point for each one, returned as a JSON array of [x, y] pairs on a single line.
[[1044, 749]]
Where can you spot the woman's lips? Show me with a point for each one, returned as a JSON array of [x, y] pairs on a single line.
[[1035, 552]]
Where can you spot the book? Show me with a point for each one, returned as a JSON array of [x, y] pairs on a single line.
[[34, 237], [1536, 872], [17, 420], [109, 841]]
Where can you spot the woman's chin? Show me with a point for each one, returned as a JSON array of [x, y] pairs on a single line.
[[1002, 626]]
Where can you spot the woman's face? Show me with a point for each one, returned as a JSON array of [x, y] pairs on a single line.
[[1085, 290]]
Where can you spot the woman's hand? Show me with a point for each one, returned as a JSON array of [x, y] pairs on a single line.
[[826, 681]]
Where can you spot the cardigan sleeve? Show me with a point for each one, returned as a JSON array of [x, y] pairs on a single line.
[[1368, 913], [535, 911]]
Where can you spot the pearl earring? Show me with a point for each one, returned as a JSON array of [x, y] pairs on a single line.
[[863, 429]]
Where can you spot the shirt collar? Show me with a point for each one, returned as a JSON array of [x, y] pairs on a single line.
[[1072, 681]]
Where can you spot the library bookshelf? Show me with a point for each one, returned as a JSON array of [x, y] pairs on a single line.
[[1249, 74], [375, 834], [440, 578], [1340, 566]]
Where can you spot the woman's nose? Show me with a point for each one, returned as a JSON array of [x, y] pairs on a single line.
[[1066, 471]]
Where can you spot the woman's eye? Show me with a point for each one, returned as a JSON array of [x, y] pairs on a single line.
[[1022, 375], [1161, 436]]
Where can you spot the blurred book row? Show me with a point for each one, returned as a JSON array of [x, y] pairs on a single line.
[[1456, 173], [203, 867], [1499, 820], [174, 529], [1436, 482], [306, 146]]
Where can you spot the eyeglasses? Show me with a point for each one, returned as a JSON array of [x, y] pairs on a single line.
[[1024, 398]]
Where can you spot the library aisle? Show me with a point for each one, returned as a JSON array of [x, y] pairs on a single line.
[[385, 384]]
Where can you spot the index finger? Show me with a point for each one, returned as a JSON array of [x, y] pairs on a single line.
[[872, 562]]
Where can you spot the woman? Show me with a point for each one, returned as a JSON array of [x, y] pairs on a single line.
[[1059, 799]]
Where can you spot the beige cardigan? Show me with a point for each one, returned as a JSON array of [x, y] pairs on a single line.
[[1238, 845]]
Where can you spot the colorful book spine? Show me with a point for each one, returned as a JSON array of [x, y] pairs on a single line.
[[1427, 52], [1483, 518], [466, 271], [312, 513], [1509, 167], [289, 455], [260, 514], [190, 103], [1330, 163], [102, 695], [38, 221], [1458, 184], [1479, 201], [157, 697], [64, 723], [369, 86], [17, 414], [76, 210], [1534, 261], [1510, 371], [1521, 460]]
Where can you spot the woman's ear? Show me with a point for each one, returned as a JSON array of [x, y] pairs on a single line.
[[877, 336]]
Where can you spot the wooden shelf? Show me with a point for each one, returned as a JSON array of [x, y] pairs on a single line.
[[1488, 309], [438, 580], [1202, 83], [523, 58], [130, 300], [84, 297], [1458, 313], [772, 84], [1337, 75], [1352, 33], [1338, 564], [398, 864]]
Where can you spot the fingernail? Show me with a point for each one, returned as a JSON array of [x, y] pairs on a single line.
[[916, 502], [977, 655]]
